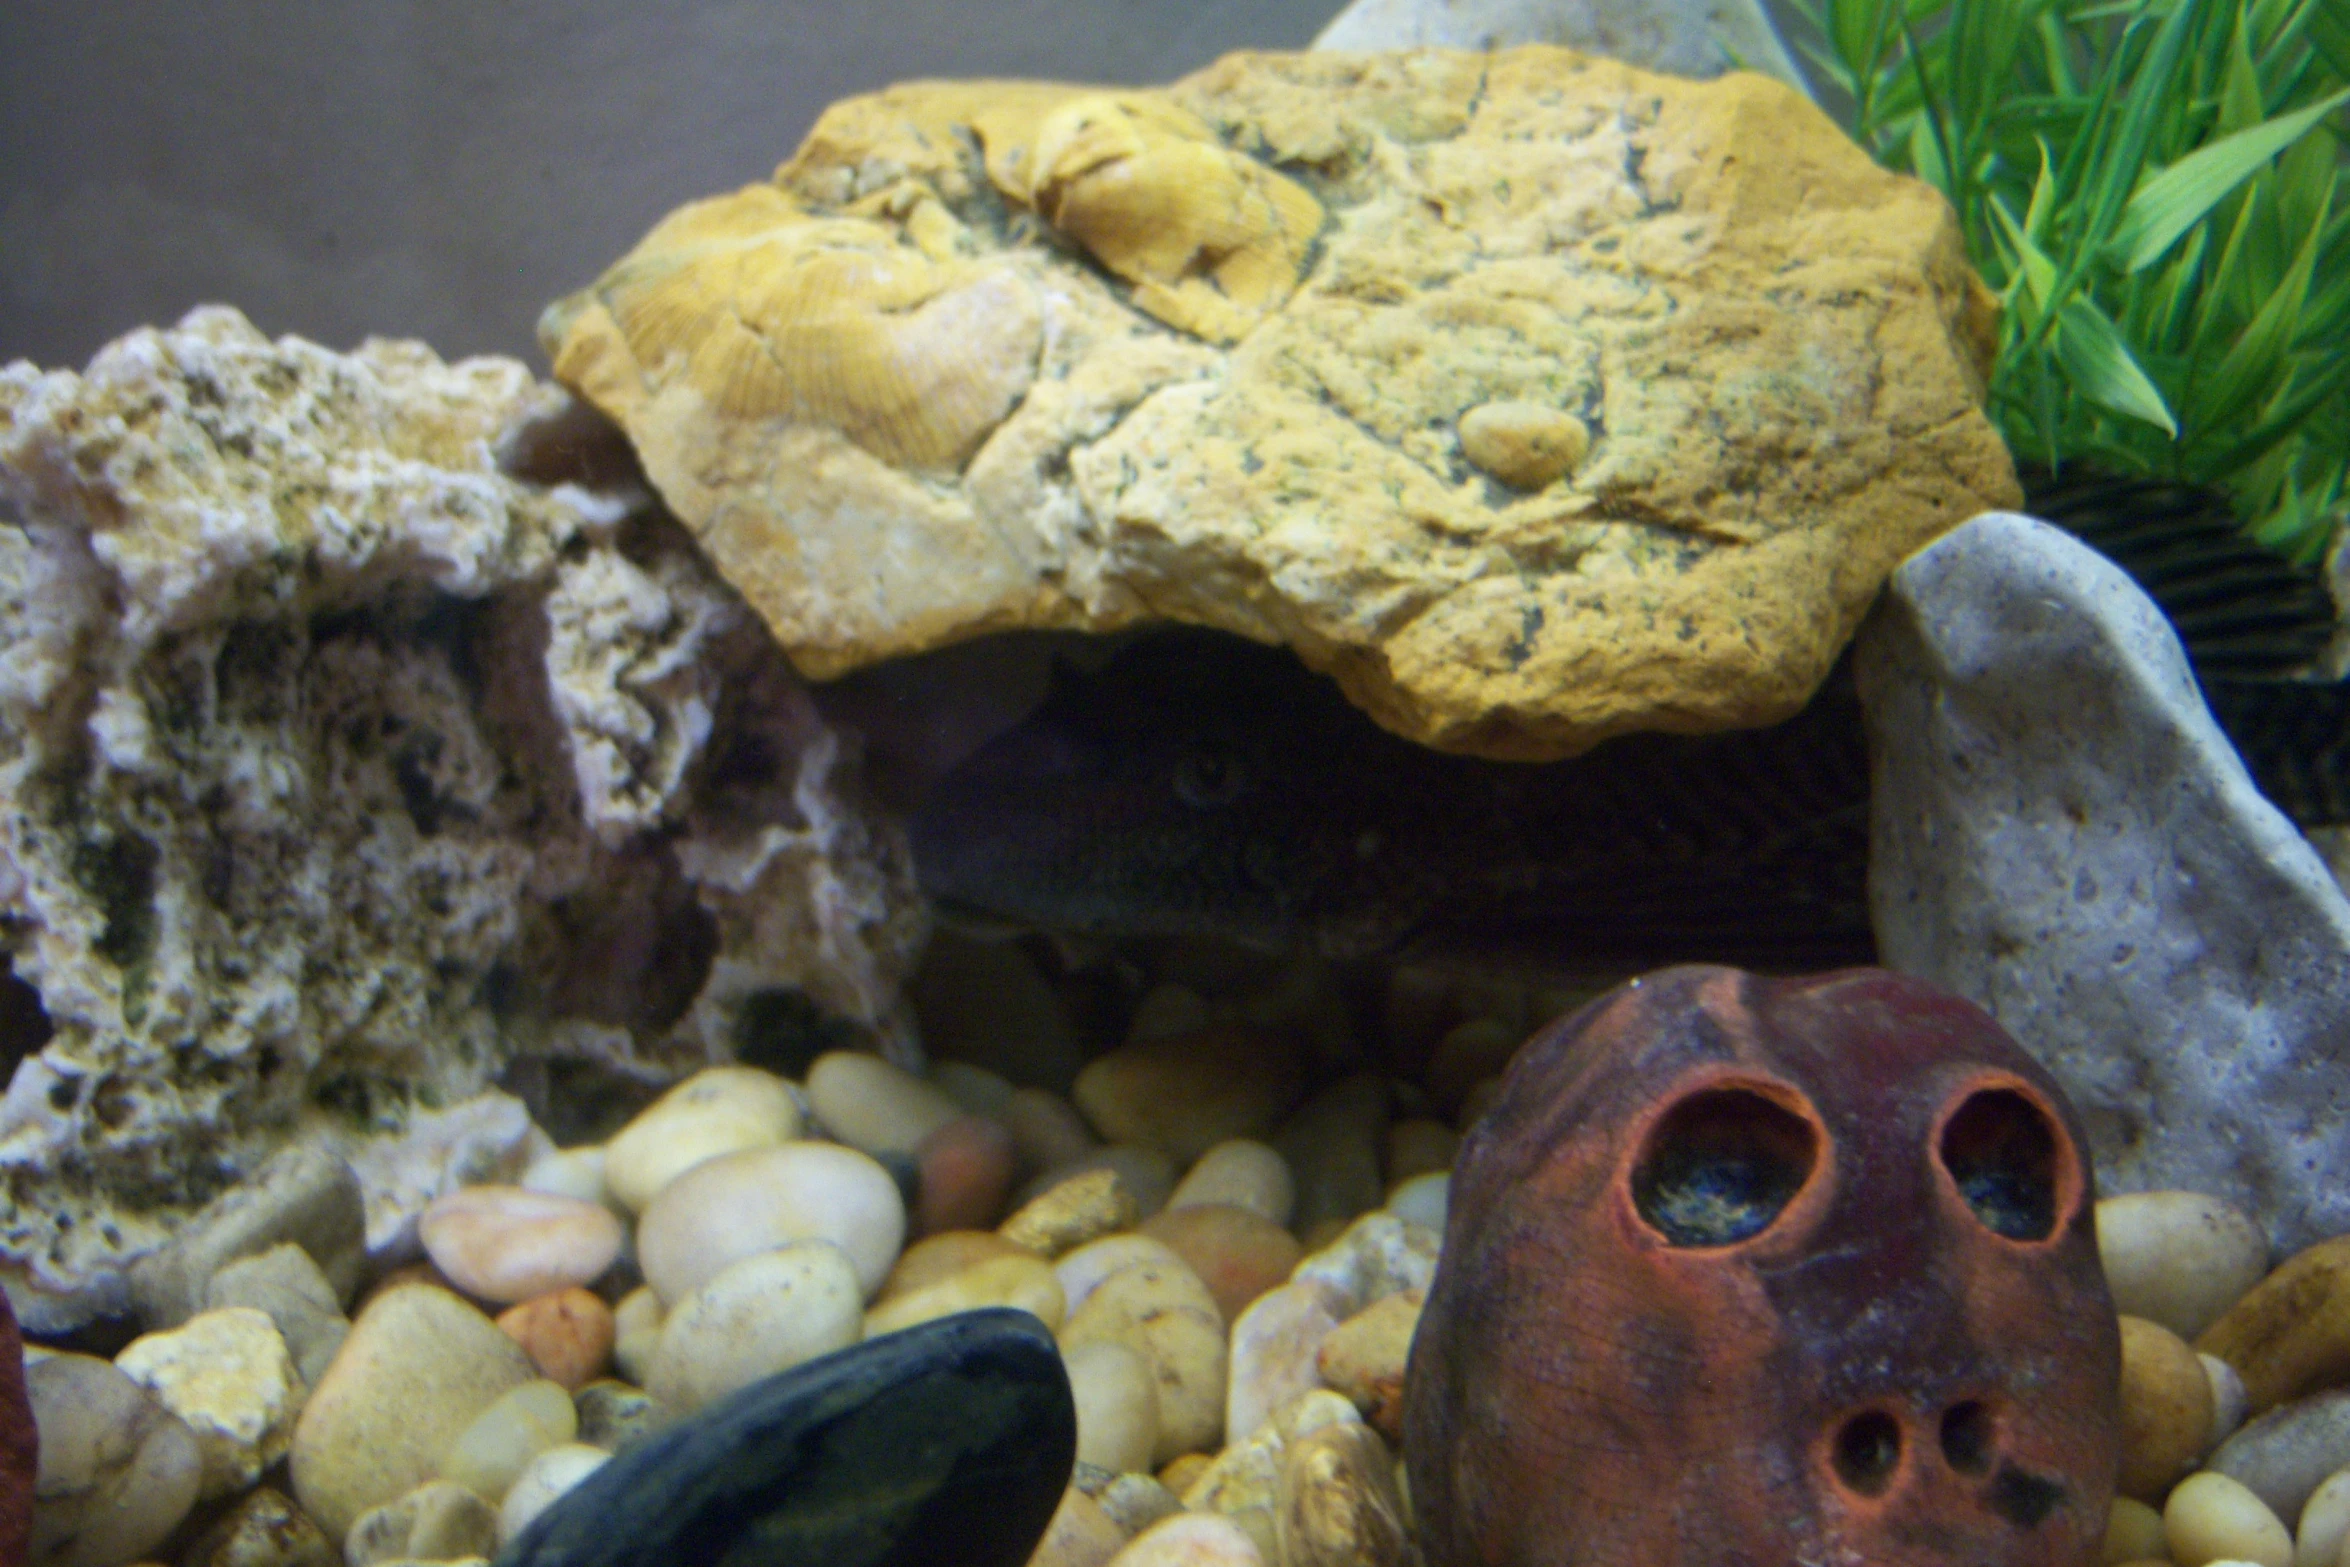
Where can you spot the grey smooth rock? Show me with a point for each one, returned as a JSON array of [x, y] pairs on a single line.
[[1700, 38], [2283, 1455], [285, 1283], [2060, 833], [118, 1470], [303, 1195]]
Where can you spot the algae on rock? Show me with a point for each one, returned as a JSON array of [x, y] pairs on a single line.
[[342, 765]]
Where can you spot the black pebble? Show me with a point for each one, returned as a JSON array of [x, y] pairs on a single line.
[[945, 1445]]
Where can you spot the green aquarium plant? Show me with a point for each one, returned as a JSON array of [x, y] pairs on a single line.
[[2156, 191]]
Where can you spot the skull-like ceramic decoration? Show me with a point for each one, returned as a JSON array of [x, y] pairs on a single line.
[[1742, 1270]]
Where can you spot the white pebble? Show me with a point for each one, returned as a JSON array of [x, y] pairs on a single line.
[[1244, 1173], [1117, 1405], [2229, 1402], [761, 1315], [1422, 1200], [2324, 1522], [504, 1438], [2178, 1258], [569, 1172], [1080, 1270], [745, 1203], [543, 1482], [2210, 1518], [508, 1245], [721, 1110]]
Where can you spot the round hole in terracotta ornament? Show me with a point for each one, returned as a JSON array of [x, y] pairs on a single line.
[[1721, 1165], [2001, 1153], [1868, 1450], [1968, 1437]]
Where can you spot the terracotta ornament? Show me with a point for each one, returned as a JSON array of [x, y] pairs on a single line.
[[20, 1444], [1742, 1270]]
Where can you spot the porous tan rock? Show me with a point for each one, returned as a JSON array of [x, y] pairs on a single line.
[[383, 727], [1299, 347], [229, 1376]]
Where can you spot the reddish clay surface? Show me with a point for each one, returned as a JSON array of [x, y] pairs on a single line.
[[20, 1445], [1758, 1271]]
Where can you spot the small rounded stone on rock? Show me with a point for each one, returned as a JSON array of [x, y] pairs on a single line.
[[2178, 1258], [1080, 1270], [438, 1521], [1423, 1200], [759, 1315], [505, 1244], [1184, 1093], [2324, 1522], [1167, 1315], [2210, 1518], [489, 1453], [616, 1416], [966, 1168], [1238, 1254], [1338, 1501], [2290, 1333], [741, 1204], [568, 1172], [543, 1482], [2133, 1532], [226, 1374], [1023, 1281], [975, 1088], [935, 1257], [874, 1105], [1191, 1540], [118, 1471], [1525, 445], [1244, 1173], [636, 1332], [1364, 1358], [2283, 1455], [1117, 1404], [721, 1110], [2165, 1405], [1137, 1500]]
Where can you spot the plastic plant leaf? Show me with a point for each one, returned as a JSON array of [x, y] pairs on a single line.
[[2259, 353], [2103, 370], [2170, 201]]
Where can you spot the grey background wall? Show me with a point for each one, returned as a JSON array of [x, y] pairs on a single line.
[[442, 168]]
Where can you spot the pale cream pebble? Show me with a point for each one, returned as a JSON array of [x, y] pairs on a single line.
[[2229, 1404], [2165, 1408], [2210, 1518], [759, 1315], [1167, 1315], [1376, 1256], [1423, 1200], [2133, 1532], [504, 1438], [740, 1204], [1025, 1282], [1046, 1129], [1365, 1357], [1117, 1398], [229, 1376], [1079, 1535], [2178, 1258], [1244, 1173], [975, 1088], [1276, 1348], [876, 1105], [543, 1482], [1191, 1540], [1136, 1500], [1084, 1267], [1083, 1208], [1339, 1506], [439, 1520], [939, 1256], [2323, 1528], [719, 1110], [1184, 1093], [636, 1332], [1417, 1146], [569, 1172]]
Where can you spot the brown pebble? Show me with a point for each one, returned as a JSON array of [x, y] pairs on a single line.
[[2166, 1408], [1238, 1254], [967, 1167], [567, 1334]]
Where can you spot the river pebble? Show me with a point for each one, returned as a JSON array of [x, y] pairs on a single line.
[[743, 1203], [1276, 1350], [118, 1470], [1332, 1147], [419, 1365], [2324, 1522], [1339, 1505], [2211, 1518], [978, 1090], [2283, 1455], [1080, 1270], [1419, 1146], [1183, 1093], [505, 1244], [1117, 1398], [303, 1195], [227, 1375], [875, 1105], [1191, 1540], [486, 1456], [1167, 1315], [1046, 1129], [720, 1110], [1244, 1173], [1025, 1282], [1146, 1172], [1423, 1200], [2133, 1532], [1364, 1358], [755, 1317], [1082, 1208], [568, 1172], [965, 1168], [1238, 1254], [2290, 1333], [1377, 1256], [1080, 1534], [935, 1257], [636, 1332], [616, 1416], [263, 1529], [284, 1283], [2165, 1405], [2178, 1258], [1135, 1501], [544, 1481], [439, 1520], [2229, 1405], [568, 1335]]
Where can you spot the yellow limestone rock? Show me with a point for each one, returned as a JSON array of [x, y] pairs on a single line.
[[1535, 397]]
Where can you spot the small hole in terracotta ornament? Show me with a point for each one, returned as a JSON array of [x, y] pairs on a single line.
[[1868, 1450], [1966, 1437], [2001, 1151], [1720, 1166]]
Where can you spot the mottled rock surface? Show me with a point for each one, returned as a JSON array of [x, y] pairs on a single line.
[[1684, 37], [998, 355], [357, 737], [2061, 833]]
